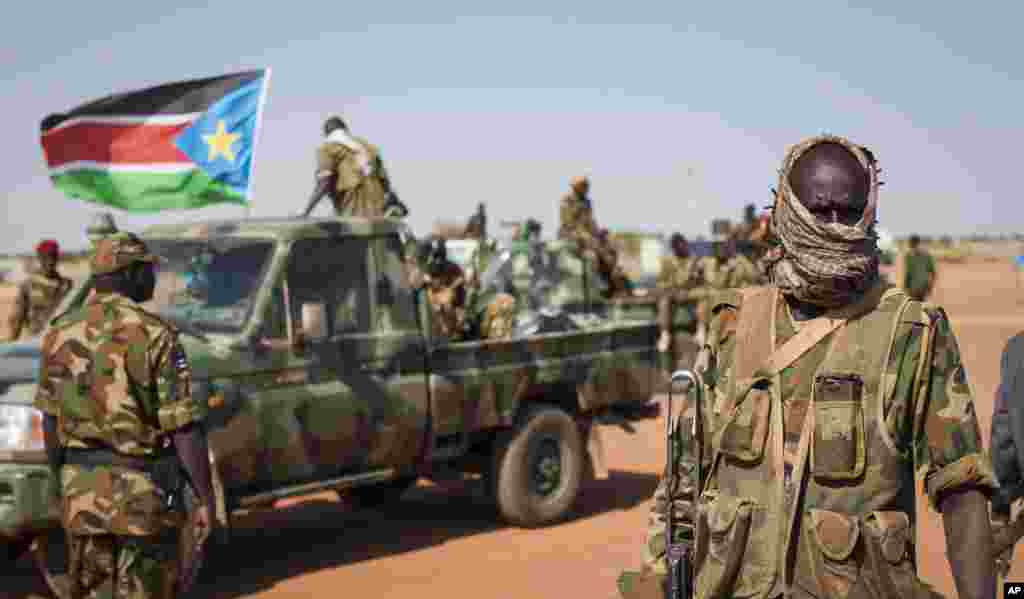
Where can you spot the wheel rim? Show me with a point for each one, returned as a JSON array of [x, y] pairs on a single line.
[[546, 467]]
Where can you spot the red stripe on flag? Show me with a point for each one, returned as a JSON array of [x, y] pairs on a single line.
[[117, 144]]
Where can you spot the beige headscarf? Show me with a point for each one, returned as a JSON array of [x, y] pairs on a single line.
[[825, 264]]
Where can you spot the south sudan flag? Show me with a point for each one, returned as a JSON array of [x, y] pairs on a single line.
[[180, 145]]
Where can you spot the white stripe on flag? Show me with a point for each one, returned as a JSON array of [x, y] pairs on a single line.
[[152, 119], [88, 165]]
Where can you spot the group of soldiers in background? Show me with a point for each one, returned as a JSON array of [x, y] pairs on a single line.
[[687, 284]]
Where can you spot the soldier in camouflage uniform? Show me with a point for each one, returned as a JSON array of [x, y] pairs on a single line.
[[350, 171], [445, 283], [810, 447], [576, 217], [120, 427], [735, 270], [40, 294], [678, 275]]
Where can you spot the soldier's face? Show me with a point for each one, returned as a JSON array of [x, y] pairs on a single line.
[[145, 283], [681, 249], [831, 184], [47, 262]]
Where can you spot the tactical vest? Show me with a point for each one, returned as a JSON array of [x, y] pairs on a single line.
[[44, 295], [849, 530]]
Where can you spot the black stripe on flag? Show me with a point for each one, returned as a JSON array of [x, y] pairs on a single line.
[[179, 97]]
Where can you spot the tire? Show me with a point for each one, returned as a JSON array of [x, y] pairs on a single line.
[[380, 495], [538, 468]]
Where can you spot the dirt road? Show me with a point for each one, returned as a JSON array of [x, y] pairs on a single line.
[[445, 543]]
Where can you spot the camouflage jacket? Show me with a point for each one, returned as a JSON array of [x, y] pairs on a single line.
[[38, 297], [356, 193], [738, 272], [576, 217], [115, 377], [916, 414], [679, 274]]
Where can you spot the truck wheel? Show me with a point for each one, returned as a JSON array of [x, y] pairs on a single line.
[[380, 495], [538, 468]]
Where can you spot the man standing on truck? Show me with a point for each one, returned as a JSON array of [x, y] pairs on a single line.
[[40, 294], [120, 426], [823, 394], [350, 171]]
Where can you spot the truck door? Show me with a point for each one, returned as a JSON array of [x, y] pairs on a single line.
[[397, 364], [327, 418]]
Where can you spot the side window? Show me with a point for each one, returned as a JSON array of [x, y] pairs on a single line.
[[395, 306], [332, 272]]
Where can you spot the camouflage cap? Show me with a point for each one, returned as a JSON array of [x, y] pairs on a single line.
[[102, 224], [118, 251]]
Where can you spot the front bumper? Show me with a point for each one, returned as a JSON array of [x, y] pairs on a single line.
[[28, 503]]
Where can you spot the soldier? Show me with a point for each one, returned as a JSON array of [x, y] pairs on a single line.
[[40, 294], [735, 270], [824, 394], [446, 290], [102, 225], [918, 271], [120, 426], [351, 172], [609, 268], [677, 276], [576, 217]]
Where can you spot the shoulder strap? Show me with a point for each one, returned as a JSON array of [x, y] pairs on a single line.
[[755, 358]]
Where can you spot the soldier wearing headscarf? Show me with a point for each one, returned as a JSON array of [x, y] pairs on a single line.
[[824, 395], [351, 173]]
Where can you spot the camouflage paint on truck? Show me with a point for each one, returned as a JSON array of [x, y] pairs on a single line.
[[292, 413]]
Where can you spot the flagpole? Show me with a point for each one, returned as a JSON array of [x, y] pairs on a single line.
[[255, 140]]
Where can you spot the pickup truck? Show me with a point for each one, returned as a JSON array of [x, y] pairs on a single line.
[[316, 358]]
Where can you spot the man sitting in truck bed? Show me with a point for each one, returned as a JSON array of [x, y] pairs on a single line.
[[445, 283]]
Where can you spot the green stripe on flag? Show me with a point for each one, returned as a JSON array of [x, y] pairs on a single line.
[[146, 191]]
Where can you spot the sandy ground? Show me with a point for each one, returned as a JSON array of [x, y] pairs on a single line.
[[445, 542]]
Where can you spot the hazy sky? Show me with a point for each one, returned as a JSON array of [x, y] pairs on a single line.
[[679, 111]]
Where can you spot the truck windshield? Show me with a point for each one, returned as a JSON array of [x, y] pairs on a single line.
[[208, 285]]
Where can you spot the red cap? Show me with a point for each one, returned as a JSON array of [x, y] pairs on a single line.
[[48, 247]]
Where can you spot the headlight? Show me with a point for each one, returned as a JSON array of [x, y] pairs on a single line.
[[21, 428]]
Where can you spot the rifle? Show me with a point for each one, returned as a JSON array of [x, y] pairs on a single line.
[[191, 554], [679, 556]]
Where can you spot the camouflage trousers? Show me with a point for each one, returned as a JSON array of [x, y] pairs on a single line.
[[123, 567]]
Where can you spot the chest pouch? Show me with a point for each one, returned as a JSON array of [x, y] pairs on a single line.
[[838, 450], [745, 431]]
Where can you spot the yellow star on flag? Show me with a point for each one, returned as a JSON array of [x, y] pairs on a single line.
[[220, 143]]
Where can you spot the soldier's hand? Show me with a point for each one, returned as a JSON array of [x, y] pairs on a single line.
[[1004, 559], [201, 521], [663, 341]]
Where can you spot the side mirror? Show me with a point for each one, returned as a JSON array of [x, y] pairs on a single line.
[[313, 326]]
